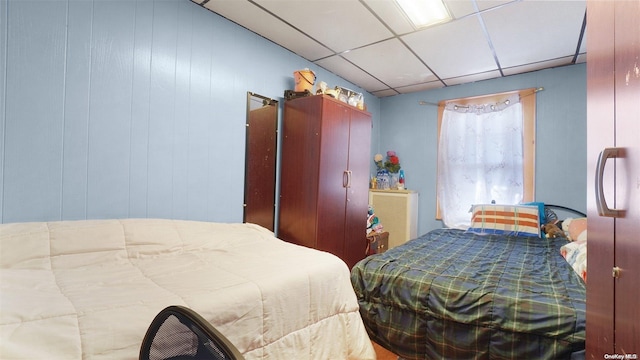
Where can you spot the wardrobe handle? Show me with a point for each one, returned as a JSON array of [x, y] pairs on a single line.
[[348, 172], [601, 203], [345, 178]]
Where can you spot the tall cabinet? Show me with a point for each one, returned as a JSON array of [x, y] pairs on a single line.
[[325, 176], [613, 198]]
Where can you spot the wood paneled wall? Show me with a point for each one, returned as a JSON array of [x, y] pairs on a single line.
[[128, 108]]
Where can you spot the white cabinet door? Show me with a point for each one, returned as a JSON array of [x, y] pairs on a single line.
[[397, 211]]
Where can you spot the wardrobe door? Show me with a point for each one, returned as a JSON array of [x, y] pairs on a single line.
[[260, 169], [627, 182], [299, 171], [358, 187], [613, 111], [600, 135], [332, 179]]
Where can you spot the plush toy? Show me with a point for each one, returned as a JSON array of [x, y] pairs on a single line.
[[576, 229], [553, 231], [373, 224]]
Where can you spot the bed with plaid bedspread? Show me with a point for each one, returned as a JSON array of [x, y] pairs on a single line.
[[456, 295]]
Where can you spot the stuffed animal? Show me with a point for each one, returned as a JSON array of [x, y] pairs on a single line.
[[373, 224], [553, 231], [576, 229]]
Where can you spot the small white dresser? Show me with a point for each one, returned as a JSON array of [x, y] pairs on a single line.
[[397, 211]]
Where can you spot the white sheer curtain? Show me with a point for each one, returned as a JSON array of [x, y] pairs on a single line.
[[480, 158]]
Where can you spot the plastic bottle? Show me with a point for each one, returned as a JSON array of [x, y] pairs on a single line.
[[401, 184]]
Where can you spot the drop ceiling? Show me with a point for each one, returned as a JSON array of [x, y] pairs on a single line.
[[372, 44]]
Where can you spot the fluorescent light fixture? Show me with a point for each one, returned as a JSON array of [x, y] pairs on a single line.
[[423, 13]]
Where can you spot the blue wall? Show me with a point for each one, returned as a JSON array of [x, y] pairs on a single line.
[[129, 108], [137, 109], [411, 130]]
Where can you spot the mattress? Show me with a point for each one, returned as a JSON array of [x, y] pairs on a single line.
[[89, 289], [451, 294]]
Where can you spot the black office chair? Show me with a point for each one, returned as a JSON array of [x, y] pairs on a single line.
[[179, 333]]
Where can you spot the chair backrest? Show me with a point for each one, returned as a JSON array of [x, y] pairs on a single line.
[[179, 333]]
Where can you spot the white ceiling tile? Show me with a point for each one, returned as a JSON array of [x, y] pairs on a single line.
[[346, 70], [392, 63], [517, 30], [356, 39], [261, 22], [385, 93], [462, 41], [420, 87], [462, 8], [338, 25], [472, 78], [491, 4], [538, 66]]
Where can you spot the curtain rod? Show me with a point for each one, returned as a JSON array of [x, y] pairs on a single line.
[[422, 102]]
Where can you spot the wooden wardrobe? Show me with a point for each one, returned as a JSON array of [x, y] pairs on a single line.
[[613, 156], [324, 176]]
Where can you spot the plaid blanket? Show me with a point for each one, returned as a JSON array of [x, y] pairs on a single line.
[[456, 295]]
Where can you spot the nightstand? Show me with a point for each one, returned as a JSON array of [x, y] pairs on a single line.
[[377, 243]]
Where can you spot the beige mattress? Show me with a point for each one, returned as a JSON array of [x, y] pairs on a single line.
[[89, 289]]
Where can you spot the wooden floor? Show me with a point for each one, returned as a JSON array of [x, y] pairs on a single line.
[[384, 354]]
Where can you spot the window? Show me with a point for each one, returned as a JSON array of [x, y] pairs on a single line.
[[486, 153]]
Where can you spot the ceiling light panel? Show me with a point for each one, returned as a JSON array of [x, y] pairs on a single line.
[[391, 14], [423, 13]]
